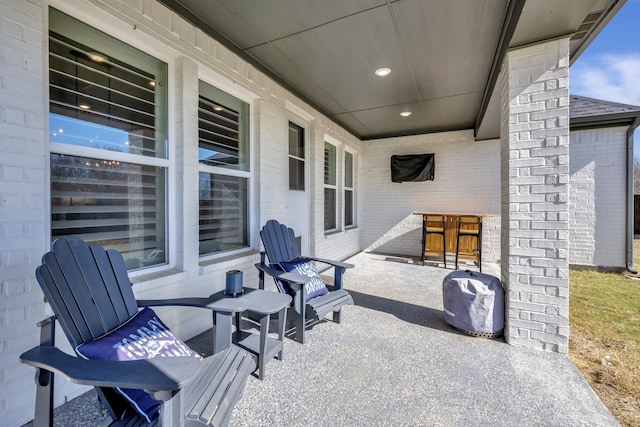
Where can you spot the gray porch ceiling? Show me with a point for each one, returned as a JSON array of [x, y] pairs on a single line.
[[444, 54]]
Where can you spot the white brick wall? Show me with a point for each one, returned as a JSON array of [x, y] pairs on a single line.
[[24, 204], [467, 180], [274, 184], [535, 188], [598, 198], [22, 200]]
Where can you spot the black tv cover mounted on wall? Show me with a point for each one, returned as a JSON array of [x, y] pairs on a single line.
[[413, 167]]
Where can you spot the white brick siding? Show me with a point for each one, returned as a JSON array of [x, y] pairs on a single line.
[[598, 197], [23, 160], [24, 198], [535, 188], [467, 180]]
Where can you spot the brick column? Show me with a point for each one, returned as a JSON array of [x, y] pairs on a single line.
[[535, 193]]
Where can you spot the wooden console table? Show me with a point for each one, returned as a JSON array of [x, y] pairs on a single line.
[[433, 244]]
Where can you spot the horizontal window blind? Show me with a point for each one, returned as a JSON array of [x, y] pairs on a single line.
[[91, 94], [223, 213], [329, 164], [223, 143], [218, 133], [117, 205]]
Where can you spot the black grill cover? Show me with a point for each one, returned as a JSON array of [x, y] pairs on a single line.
[[413, 167]]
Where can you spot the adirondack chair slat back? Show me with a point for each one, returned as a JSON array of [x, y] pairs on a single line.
[[87, 287], [279, 242]]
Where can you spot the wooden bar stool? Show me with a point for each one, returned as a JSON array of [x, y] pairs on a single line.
[[434, 224], [470, 229]]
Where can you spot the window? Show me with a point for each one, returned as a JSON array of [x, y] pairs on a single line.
[[348, 190], [108, 135], [296, 157], [223, 153], [330, 201]]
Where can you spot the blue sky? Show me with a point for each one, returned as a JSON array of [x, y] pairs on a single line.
[[610, 67]]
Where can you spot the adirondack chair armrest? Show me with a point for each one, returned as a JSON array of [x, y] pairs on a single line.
[[290, 278], [47, 321], [159, 376], [339, 269], [339, 264], [199, 302], [294, 280]]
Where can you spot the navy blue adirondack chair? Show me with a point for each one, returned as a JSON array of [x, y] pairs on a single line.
[[309, 303], [91, 296]]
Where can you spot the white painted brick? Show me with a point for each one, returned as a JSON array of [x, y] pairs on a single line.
[[22, 167], [609, 232], [523, 325], [540, 78], [475, 173], [528, 307]]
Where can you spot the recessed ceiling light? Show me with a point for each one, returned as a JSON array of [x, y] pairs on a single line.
[[405, 113], [218, 108], [381, 72], [84, 106]]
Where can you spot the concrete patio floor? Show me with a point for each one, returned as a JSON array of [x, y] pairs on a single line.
[[394, 361]]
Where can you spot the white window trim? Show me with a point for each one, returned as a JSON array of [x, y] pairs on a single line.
[[95, 153], [299, 112]]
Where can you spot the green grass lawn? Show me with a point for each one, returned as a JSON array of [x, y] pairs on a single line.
[[604, 320], [607, 304]]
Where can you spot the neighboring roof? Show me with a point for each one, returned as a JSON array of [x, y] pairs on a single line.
[[591, 112]]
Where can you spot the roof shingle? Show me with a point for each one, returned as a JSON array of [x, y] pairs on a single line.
[[582, 106]]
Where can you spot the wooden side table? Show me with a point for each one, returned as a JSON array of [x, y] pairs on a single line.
[[263, 304]]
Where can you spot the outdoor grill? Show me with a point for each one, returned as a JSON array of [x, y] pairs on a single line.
[[474, 303]]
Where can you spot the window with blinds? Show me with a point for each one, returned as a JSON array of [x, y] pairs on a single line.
[[114, 204], [107, 128], [296, 157], [223, 213], [330, 202], [223, 124], [223, 154], [348, 190]]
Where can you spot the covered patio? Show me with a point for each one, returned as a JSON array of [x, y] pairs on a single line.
[[221, 115], [395, 361]]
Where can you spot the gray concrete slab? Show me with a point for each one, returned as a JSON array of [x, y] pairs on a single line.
[[394, 361]]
